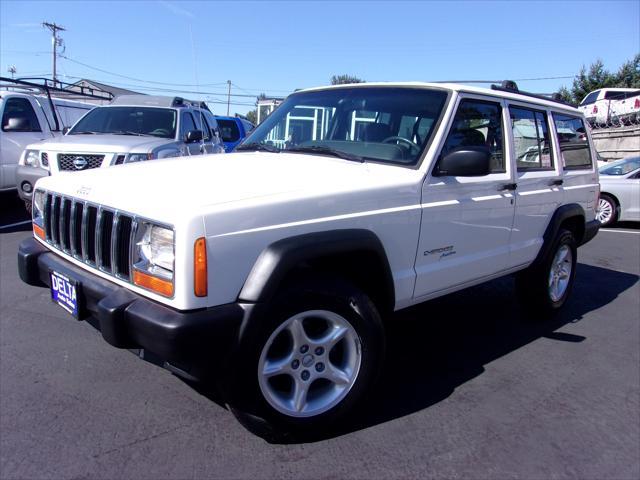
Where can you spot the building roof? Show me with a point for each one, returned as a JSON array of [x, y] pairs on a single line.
[[115, 91]]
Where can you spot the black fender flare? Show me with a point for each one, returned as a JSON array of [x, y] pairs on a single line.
[[562, 214], [284, 255]]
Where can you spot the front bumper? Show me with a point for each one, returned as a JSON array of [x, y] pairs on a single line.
[[26, 177], [189, 343]]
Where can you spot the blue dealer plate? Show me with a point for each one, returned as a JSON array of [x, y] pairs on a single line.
[[64, 292]]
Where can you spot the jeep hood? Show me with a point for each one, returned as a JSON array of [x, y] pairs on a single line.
[[172, 189], [101, 143]]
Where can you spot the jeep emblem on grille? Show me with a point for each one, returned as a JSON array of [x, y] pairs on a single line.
[[80, 163]]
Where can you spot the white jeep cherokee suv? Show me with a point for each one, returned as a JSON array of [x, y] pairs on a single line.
[[269, 270]]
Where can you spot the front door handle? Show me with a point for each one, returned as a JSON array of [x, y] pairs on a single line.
[[556, 183], [508, 186]]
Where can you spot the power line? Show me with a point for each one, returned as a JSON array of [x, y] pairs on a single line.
[[140, 80]]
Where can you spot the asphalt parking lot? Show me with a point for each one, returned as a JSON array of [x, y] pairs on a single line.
[[471, 389]]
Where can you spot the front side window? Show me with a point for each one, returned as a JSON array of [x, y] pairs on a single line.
[[531, 139], [187, 124], [141, 121], [478, 124], [19, 116], [574, 145], [385, 124]]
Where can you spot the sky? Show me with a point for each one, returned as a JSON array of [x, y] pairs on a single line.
[[277, 47]]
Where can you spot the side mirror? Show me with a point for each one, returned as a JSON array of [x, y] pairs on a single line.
[[16, 124], [193, 136], [65, 130], [465, 162]]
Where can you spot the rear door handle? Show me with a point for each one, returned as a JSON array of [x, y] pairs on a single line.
[[508, 186]]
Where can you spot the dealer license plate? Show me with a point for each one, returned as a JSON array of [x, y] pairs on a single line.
[[64, 292]]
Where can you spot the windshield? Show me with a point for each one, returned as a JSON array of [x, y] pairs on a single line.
[[156, 122], [387, 124], [621, 167]]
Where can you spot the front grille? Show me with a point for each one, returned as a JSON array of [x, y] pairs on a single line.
[[44, 158], [96, 235], [78, 161]]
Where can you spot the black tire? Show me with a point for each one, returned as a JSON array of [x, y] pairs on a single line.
[[608, 202], [29, 206], [242, 387], [533, 284]]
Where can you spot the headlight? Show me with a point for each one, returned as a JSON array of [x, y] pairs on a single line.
[[38, 213], [154, 251], [31, 158], [38, 205], [137, 157]]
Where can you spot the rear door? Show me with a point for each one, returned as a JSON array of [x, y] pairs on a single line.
[[577, 162], [466, 221], [538, 177]]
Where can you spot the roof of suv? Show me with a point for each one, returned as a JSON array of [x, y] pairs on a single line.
[[457, 87], [156, 101]]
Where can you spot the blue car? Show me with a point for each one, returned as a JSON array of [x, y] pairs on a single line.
[[233, 130]]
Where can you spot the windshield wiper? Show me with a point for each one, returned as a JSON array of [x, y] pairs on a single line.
[[322, 150], [128, 132], [258, 146], [86, 132]]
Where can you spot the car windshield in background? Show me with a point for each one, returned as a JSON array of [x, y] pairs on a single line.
[[621, 167], [143, 121], [386, 124]]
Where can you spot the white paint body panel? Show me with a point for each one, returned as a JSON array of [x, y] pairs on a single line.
[[243, 202]]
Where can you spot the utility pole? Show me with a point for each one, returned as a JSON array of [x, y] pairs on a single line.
[[228, 96], [55, 40]]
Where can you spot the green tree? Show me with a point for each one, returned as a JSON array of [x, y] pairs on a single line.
[[342, 79], [629, 74]]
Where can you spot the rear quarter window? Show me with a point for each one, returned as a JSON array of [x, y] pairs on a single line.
[[574, 144]]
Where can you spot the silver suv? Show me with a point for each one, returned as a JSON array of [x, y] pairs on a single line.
[[130, 129]]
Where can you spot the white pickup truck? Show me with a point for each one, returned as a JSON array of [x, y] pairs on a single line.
[[269, 271]]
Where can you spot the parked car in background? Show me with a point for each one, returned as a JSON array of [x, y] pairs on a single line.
[[619, 191], [233, 130], [27, 117], [132, 128], [611, 105]]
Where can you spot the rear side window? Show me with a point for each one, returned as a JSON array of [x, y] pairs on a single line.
[[574, 145], [229, 130], [620, 95], [19, 116], [531, 139], [478, 124]]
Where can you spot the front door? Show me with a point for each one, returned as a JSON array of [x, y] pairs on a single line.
[[467, 221]]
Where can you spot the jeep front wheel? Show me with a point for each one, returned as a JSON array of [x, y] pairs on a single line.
[[307, 360]]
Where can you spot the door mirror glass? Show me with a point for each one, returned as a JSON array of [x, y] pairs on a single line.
[[465, 162], [193, 136]]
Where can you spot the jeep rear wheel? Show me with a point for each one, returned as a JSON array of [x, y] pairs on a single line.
[[307, 360], [544, 288]]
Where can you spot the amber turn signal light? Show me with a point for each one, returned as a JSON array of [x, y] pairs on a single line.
[[200, 267], [38, 230], [155, 284]]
